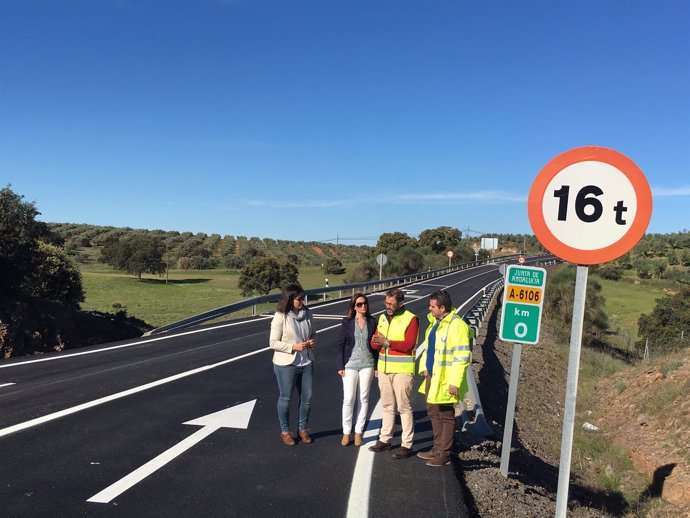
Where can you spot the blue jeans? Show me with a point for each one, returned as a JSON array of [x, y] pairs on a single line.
[[289, 377]]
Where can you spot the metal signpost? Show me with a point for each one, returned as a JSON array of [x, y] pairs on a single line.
[[588, 205], [381, 259], [523, 300]]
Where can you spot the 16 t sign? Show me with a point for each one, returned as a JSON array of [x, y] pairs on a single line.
[[590, 205]]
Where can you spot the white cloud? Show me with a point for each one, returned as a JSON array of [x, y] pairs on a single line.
[[278, 204], [443, 198], [676, 191], [481, 196]]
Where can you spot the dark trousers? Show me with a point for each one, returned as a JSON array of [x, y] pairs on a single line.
[[442, 419]]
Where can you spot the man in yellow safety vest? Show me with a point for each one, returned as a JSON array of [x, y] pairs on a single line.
[[443, 364], [395, 338]]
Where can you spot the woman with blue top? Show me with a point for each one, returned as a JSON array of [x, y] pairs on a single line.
[[292, 339], [356, 364]]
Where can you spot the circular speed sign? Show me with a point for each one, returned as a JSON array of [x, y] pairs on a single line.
[[590, 205]]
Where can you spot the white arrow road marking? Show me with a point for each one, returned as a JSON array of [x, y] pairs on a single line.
[[6, 384], [358, 503], [234, 417]]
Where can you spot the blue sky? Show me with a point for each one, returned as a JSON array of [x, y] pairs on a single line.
[[317, 119]]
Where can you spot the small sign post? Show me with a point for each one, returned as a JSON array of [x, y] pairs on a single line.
[[381, 259], [523, 300], [588, 205], [449, 253]]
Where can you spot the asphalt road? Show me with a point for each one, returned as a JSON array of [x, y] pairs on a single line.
[[100, 431]]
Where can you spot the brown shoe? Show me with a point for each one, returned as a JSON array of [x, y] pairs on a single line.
[[358, 439], [345, 440], [402, 453], [379, 446], [304, 436], [426, 455], [438, 461], [287, 439]]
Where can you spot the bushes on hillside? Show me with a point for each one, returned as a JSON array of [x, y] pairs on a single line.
[[558, 306], [668, 326], [332, 266]]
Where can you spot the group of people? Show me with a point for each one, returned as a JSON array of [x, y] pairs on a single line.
[[383, 348]]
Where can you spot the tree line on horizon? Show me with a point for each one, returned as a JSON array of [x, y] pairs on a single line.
[[38, 261]]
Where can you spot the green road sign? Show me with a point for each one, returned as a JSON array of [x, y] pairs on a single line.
[[523, 299]]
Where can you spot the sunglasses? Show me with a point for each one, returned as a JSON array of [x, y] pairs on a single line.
[[300, 298], [360, 304]]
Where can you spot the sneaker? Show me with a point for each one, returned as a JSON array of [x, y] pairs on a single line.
[[438, 461], [304, 436], [287, 439], [426, 455], [379, 446], [403, 453]]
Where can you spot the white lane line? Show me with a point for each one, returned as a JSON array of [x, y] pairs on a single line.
[[358, 503], [118, 395], [6, 384], [129, 392], [106, 349]]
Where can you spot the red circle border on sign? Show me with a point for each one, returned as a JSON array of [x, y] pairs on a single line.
[[583, 154]]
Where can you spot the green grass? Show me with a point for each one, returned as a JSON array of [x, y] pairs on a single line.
[[187, 293], [625, 302], [672, 366]]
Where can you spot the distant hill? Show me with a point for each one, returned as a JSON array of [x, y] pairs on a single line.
[[210, 251]]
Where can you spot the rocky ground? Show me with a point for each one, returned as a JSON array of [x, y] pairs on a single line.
[[531, 487]]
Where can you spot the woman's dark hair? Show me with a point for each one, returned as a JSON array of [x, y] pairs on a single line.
[[351, 306], [289, 293]]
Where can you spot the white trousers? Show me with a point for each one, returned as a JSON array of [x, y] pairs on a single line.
[[351, 381]]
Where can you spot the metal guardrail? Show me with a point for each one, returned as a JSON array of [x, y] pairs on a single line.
[[367, 287], [474, 420]]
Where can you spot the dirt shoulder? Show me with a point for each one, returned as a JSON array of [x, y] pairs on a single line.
[[530, 489]]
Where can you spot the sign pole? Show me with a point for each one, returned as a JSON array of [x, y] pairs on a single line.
[[510, 409], [571, 391]]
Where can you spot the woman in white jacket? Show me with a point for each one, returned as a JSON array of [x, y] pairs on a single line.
[[292, 339]]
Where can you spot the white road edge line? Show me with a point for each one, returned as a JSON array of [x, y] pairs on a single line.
[[7, 384]]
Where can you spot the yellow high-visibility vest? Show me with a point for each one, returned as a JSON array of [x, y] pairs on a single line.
[[393, 362], [452, 356]]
